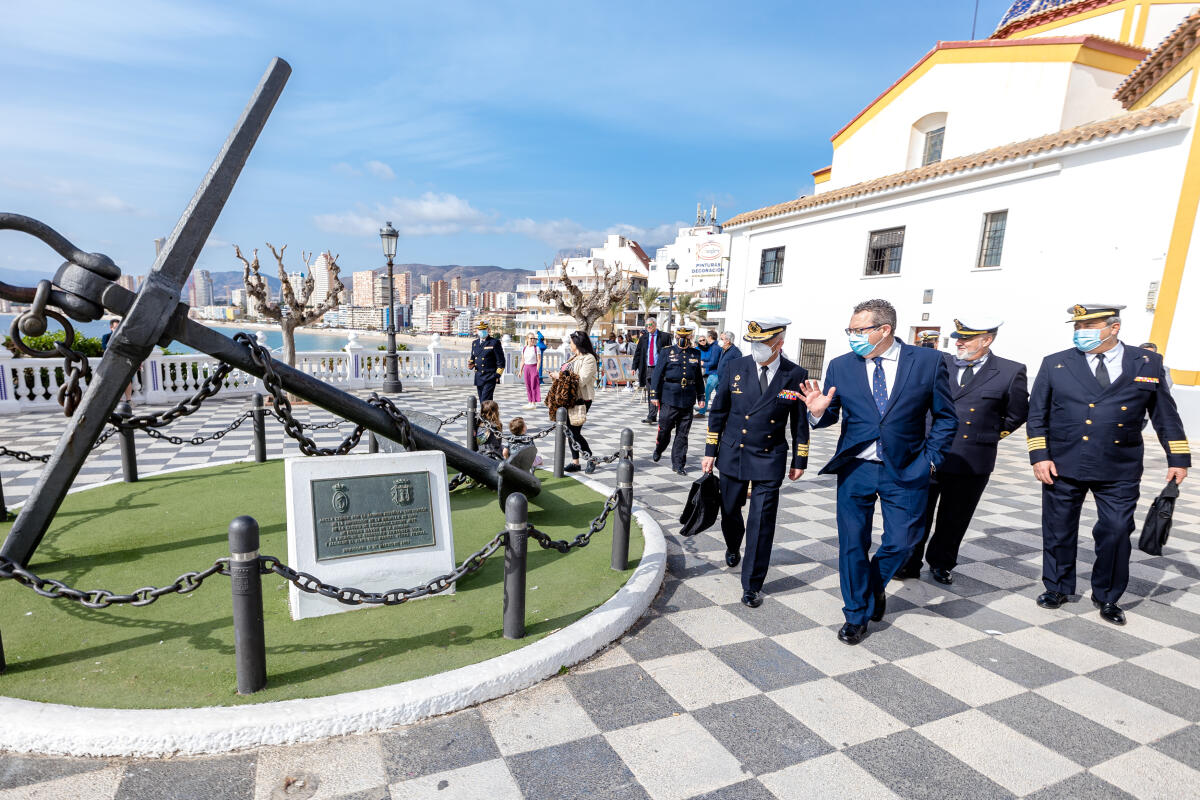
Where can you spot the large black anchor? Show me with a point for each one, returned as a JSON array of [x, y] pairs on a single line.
[[152, 316]]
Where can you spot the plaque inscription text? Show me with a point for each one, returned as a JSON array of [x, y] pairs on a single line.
[[372, 514]]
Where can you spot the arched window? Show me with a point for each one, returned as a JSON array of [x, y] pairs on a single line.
[[925, 143]]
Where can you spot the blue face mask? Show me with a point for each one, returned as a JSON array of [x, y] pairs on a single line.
[[860, 343], [1088, 339]]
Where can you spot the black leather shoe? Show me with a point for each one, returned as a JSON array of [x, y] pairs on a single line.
[[572, 467], [657, 455], [942, 575], [1110, 612], [905, 573], [851, 633], [647, 420], [732, 558], [752, 599], [681, 471], [1050, 599], [880, 607]]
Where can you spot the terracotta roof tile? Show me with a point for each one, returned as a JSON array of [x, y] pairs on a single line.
[[1177, 46], [1083, 133]]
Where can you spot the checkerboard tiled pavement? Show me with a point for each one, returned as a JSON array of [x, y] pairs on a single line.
[[963, 691]]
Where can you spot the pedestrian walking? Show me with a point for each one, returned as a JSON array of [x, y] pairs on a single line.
[[1085, 436], [487, 359], [991, 401], [882, 391], [676, 387], [531, 369], [757, 399], [583, 363], [646, 357]]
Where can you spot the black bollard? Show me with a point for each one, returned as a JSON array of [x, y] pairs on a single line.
[[372, 443], [627, 443], [472, 423], [624, 509], [250, 647], [560, 442], [128, 450], [3, 508], [516, 547], [3, 665], [259, 418]]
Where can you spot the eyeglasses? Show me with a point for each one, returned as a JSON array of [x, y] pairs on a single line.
[[853, 331]]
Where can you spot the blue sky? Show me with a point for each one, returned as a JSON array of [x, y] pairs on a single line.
[[488, 133]]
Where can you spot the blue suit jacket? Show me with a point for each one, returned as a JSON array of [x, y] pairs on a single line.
[[922, 386]]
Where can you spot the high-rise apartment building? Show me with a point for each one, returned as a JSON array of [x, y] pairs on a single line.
[[439, 292], [363, 288], [322, 278], [476, 285], [404, 293], [204, 287], [456, 283]]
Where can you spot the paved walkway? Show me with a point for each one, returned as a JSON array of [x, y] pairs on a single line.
[[967, 691]]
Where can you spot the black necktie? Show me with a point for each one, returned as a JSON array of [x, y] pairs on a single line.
[[1102, 372], [762, 380], [967, 374]]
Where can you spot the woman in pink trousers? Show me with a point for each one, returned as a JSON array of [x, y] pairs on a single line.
[[531, 360]]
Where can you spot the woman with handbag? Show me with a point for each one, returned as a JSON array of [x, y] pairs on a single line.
[[584, 364]]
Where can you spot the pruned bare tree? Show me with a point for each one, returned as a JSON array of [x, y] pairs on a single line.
[[586, 306], [289, 310]]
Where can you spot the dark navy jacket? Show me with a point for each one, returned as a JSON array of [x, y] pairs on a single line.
[[487, 359], [641, 361], [1094, 434], [921, 386], [994, 404], [746, 429], [677, 379]]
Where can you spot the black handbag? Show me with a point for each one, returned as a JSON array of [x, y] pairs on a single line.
[[1158, 521], [703, 505]]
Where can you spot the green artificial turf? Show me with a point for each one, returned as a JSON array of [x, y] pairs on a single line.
[[179, 651]]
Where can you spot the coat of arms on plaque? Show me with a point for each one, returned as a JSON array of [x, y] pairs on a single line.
[[402, 492], [341, 498]]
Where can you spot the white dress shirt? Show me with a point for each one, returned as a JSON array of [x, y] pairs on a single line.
[[891, 362], [772, 368], [1112, 361]]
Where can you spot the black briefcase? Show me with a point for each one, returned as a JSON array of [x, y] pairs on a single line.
[[1158, 521], [703, 505]]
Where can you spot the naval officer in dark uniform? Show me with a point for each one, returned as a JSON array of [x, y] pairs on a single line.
[[758, 399], [676, 385], [1085, 435], [992, 401], [487, 359]]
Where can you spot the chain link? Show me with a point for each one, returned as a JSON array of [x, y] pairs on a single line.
[[208, 388], [197, 440], [582, 539], [103, 598], [455, 418], [513, 438], [392, 597], [21, 455], [587, 456], [294, 428]]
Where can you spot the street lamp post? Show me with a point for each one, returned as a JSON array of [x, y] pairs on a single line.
[[391, 379], [672, 274]]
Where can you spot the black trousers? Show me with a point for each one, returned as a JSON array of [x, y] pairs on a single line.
[[948, 511], [486, 389], [1116, 502], [758, 528], [577, 436], [652, 414], [679, 420]]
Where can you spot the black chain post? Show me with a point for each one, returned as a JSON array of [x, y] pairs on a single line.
[[260, 429], [245, 576], [620, 542], [128, 449], [516, 548], [3, 508], [472, 423], [372, 440], [560, 442], [3, 664]]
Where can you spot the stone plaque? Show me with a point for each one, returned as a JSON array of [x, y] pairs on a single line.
[[375, 522], [372, 514]]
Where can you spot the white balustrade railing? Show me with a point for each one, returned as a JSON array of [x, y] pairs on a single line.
[[27, 383]]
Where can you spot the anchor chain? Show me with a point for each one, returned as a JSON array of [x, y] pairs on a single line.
[[582, 539], [103, 598]]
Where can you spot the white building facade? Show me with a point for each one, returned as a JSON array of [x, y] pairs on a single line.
[[1014, 176]]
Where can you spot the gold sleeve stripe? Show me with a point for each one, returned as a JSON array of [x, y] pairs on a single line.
[[1037, 443], [802, 450], [1178, 443], [712, 438]]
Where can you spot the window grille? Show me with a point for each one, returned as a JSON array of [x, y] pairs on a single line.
[[812, 357], [771, 269], [884, 251], [991, 245], [933, 146]]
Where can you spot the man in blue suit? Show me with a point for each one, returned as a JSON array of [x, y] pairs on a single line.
[[883, 391]]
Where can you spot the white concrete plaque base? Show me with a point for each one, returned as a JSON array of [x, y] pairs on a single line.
[[373, 571]]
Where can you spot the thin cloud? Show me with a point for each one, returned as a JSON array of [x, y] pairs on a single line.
[[77, 195], [380, 170]]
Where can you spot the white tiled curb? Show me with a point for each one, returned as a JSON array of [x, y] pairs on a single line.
[[31, 727]]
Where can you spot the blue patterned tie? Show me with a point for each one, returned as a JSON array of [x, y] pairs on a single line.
[[879, 392]]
